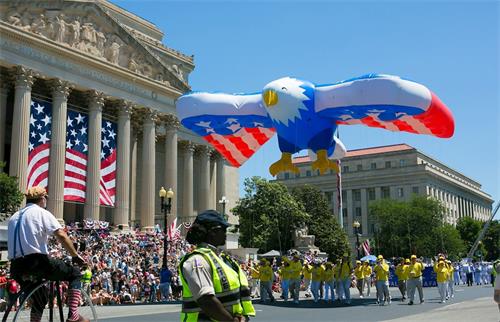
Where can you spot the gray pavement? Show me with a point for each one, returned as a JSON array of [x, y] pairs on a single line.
[[470, 304]]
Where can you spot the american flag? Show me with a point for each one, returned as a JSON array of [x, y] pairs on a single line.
[[365, 246], [108, 163], [173, 232], [39, 143]]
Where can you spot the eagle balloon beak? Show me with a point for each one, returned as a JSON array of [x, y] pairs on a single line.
[[270, 97]]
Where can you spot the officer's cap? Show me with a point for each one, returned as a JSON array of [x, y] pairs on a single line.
[[211, 218]]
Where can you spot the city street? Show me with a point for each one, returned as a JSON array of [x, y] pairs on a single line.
[[470, 304]]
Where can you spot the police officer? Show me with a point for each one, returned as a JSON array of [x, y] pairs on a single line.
[[214, 286]]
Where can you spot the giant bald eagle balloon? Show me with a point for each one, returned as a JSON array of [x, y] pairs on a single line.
[[306, 116]]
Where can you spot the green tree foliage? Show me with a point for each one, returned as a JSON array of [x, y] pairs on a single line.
[[10, 196], [491, 241], [469, 229], [414, 227], [330, 238], [268, 215]]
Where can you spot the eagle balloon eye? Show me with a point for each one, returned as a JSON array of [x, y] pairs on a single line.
[[284, 88]]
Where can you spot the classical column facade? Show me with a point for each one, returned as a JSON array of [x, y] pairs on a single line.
[[187, 193], [122, 202], [364, 212], [92, 200], [4, 92], [21, 125], [220, 182], [172, 125], [133, 176], [148, 187], [60, 93], [204, 152]]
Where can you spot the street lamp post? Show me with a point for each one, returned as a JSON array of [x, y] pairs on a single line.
[[165, 209], [356, 225], [223, 201]]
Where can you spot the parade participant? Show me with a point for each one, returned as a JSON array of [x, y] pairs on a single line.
[[338, 281], [359, 273], [456, 273], [295, 269], [469, 270], [306, 272], [402, 274], [317, 276], [477, 273], [28, 233], [86, 279], [266, 280], [415, 271], [367, 279], [381, 271], [450, 288], [255, 282], [442, 278], [345, 272], [329, 281], [496, 292], [284, 273], [213, 285]]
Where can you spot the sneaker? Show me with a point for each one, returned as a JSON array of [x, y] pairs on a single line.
[[381, 304], [361, 296], [389, 303], [80, 319], [422, 301], [443, 301], [410, 303]]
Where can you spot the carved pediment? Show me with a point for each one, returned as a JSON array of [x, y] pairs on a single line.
[[87, 27]]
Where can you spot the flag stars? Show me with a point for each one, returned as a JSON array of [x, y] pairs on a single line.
[[79, 119], [83, 130], [30, 146], [85, 147], [108, 124], [39, 127], [33, 134], [69, 145], [77, 142], [105, 143], [32, 120], [102, 155], [43, 138], [73, 133], [111, 134], [46, 120], [39, 108], [70, 122]]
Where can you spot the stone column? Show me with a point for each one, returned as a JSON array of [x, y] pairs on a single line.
[[187, 193], [133, 177], [21, 126], [349, 206], [172, 125], [4, 92], [92, 201], [60, 93], [364, 212], [213, 180], [148, 186], [204, 152], [221, 182], [123, 166]]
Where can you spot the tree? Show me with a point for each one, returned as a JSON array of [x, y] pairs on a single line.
[[469, 230], [330, 237], [450, 242], [268, 215], [10, 196], [491, 241]]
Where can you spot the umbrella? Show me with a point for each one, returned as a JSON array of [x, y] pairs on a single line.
[[370, 258]]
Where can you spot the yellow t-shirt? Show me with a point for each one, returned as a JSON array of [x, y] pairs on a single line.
[[402, 272], [328, 275], [254, 273], [285, 272], [367, 271], [317, 273], [345, 270], [359, 272], [382, 272], [415, 270], [295, 269], [265, 273], [306, 271], [450, 271], [441, 273]]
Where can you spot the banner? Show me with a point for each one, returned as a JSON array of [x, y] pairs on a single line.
[[108, 163]]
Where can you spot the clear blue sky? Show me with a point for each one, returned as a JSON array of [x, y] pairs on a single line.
[[451, 47]]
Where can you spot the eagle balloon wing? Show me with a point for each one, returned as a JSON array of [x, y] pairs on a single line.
[[236, 125], [387, 102]]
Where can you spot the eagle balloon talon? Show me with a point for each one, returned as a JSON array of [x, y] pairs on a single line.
[[284, 164], [322, 163]]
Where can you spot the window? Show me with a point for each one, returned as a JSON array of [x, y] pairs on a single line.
[[357, 211], [356, 195], [345, 169], [287, 175], [401, 192], [344, 195], [373, 166], [414, 190], [308, 173], [386, 192], [371, 194], [387, 164], [402, 163], [344, 218], [297, 175], [329, 196], [359, 167]]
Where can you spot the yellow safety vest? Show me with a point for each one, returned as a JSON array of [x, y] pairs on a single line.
[[86, 276], [230, 285]]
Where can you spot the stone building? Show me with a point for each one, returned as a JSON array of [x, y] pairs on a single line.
[[396, 172], [97, 58]]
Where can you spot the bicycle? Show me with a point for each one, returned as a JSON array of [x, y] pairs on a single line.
[[40, 296]]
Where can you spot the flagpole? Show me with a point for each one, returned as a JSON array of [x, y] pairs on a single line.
[[339, 189]]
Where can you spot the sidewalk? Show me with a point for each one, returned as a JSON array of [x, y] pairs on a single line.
[[482, 309]]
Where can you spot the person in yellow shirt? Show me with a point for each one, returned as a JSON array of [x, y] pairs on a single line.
[[381, 271], [359, 273], [306, 271], [329, 281], [345, 272], [254, 281], [367, 277], [450, 290], [338, 282], [442, 278], [284, 273], [295, 270], [266, 280], [317, 276], [402, 274], [415, 270]]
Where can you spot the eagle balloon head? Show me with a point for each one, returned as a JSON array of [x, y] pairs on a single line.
[[285, 97]]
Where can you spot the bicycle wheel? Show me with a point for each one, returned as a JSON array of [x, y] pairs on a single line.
[[41, 304]]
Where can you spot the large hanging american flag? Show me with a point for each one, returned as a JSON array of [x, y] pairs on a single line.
[[108, 163], [39, 143]]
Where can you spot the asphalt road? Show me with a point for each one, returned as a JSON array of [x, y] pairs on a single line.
[[467, 301]]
